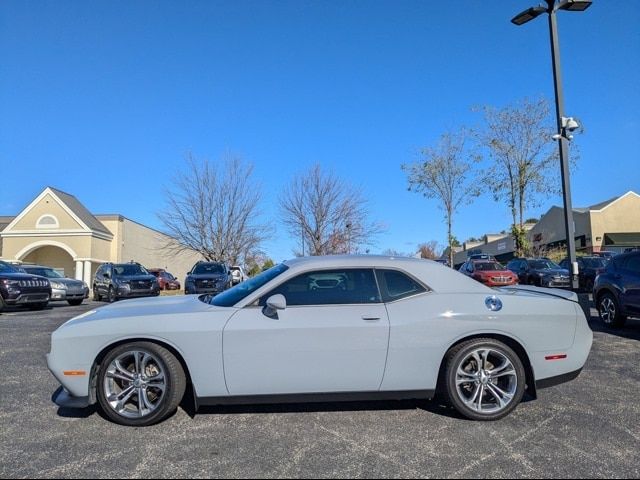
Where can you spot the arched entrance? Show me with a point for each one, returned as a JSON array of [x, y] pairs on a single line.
[[54, 257]]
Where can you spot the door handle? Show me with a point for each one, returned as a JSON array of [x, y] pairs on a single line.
[[370, 318]]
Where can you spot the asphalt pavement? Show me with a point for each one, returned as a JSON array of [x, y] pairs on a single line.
[[587, 428]]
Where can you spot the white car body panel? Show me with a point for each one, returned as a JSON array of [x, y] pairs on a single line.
[[331, 348], [306, 350]]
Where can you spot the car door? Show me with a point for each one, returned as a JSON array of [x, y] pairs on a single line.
[[332, 337], [630, 283]]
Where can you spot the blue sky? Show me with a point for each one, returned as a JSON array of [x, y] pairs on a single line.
[[104, 99]]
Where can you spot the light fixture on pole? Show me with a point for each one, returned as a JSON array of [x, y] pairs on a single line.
[[565, 124]]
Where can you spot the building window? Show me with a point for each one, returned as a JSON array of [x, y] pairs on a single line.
[[47, 222]]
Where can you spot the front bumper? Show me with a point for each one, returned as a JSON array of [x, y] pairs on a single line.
[[124, 292], [64, 399], [60, 295], [27, 298]]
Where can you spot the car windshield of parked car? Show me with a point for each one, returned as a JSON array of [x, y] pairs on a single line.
[[488, 266], [43, 272], [129, 269], [6, 268], [209, 268], [230, 297], [543, 265]]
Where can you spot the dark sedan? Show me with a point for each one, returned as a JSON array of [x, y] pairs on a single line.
[[541, 272], [617, 290]]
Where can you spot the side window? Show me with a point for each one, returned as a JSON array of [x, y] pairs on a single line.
[[633, 264], [396, 285], [329, 287], [470, 267]]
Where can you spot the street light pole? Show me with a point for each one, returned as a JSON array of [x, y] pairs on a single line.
[[565, 125], [563, 144]]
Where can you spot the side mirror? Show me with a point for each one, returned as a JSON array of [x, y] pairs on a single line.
[[275, 303]]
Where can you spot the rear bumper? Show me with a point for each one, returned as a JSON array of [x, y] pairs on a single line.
[[557, 380], [64, 399]]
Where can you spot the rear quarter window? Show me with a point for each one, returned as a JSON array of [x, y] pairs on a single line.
[[396, 285]]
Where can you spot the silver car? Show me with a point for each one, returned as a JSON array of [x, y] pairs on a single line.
[[62, 289], [391, 328]]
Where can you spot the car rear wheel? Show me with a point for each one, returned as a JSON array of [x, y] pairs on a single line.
[[485, 379], [140, 384], [609, 311]]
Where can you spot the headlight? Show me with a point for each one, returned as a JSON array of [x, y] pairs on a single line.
[[58, 285], [11, 283]]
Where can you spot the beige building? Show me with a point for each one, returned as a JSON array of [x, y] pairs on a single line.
[[613, 225], [56, 230]]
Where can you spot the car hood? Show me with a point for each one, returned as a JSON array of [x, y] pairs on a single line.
[[551, 271], [493, 273], [69, 282], [151, 307], [135, 278], [209, 276]]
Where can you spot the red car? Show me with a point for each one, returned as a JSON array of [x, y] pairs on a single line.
[[489, 272], [165, 279]]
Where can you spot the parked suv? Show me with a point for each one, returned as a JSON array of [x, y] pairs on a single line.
[[208, 277], [166, 281], [588, 269], [62, 289], [616, 292], [541, 272], [21, 289], [114, 281]]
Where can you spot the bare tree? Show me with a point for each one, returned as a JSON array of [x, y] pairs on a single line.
[[518, 140], [212, 209], [430, 250], [328, 215], [445, 173]]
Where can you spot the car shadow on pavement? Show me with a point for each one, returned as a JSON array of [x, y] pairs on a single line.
[[76, 412], [631, 330]]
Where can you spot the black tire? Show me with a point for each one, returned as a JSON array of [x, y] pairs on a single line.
[[96, 295], [75, 303], [111, 295], [609, 311], [174, 374], [2, 304], [454, 360]]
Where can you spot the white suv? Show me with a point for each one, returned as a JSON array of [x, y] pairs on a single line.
[[237, 274]]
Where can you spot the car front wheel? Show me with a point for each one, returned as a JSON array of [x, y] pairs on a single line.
[[485, 379], [609, 311], [140, 384]]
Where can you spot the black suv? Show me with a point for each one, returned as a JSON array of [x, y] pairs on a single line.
[[208, 277], [541, 272], [114, 281], [588, 269], [616, 292], [21, 289]]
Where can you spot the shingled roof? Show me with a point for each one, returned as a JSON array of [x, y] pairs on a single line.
[[80, 211]]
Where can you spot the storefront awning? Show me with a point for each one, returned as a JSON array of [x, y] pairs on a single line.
[[622, 239]]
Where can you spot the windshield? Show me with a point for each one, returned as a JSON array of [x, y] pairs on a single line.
[[43, 272], [543, 265], [488, 266], [209, 268], [6, 268], [128, 270], [595, 262], [230, 297]]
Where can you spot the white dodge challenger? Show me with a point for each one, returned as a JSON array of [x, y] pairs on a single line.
[[334, 328]]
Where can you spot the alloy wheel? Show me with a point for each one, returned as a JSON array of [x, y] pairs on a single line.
[[486, 381], [135, 384], [607, 310]]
